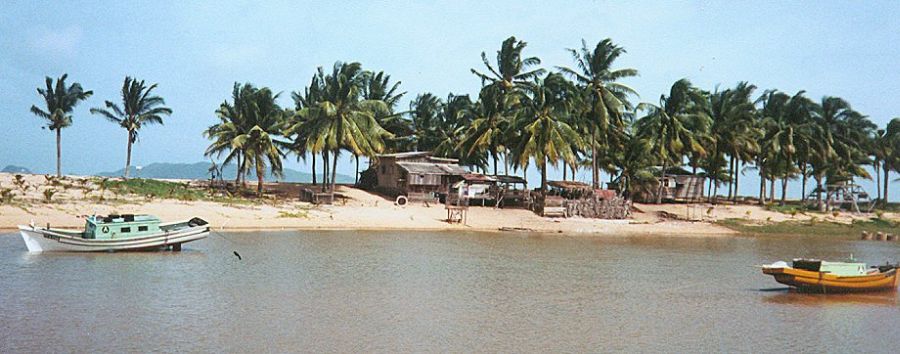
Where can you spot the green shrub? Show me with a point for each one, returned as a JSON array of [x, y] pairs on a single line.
[[48, 195]]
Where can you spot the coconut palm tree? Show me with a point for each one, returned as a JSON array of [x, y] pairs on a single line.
[[889, 145], [259, 144], [233, 122], [608, 99], [139, 108], [547, 137], [378, 86], [665, 126], [498, 96], [342, 120], [59, 101]]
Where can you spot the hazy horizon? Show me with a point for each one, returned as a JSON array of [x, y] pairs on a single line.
[[197, 51]]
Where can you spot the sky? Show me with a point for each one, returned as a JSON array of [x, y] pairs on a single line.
[[197, 50]]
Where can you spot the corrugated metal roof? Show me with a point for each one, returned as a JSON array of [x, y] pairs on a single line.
[[477, 177], [400, 155], [509, 179], [432, 168]]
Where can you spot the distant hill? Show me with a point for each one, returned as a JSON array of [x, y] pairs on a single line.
[[200, 170], [15, 169]]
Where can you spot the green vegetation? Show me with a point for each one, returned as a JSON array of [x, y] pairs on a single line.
[[48, 195], [140, 109], [59, 101], [812, 227], [155, 189], [576, 116]]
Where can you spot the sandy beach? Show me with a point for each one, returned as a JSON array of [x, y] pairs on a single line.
[[360, 210]]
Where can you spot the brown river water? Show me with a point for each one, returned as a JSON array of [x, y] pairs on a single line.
[[347, 291]]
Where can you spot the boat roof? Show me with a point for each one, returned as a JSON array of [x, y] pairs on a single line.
[[114, 218]]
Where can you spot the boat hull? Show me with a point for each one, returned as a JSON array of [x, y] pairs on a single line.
[[44, 240], [818, 282]]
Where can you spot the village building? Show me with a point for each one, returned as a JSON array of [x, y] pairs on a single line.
[[677, 186], [414, 175]]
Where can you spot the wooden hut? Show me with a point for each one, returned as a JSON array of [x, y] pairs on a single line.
[[676, 187], [415, 175]]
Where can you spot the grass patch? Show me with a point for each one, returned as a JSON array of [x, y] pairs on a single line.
[[150, 188], [812, 227], [299, 214]]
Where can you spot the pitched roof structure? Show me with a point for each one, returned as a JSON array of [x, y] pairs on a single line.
[[427, 168]]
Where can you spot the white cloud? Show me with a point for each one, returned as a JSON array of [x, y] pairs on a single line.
[[60, 41]]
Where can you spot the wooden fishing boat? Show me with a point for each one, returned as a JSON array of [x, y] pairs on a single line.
[[810, 275], [115, 233]]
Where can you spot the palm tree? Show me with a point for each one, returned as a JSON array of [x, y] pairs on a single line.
[[608, 98], [234, 122], [342, 120], [889, 144], [547, 137], [498, 96], [140, 109], [665, 126], [259, 144], [60, 101]]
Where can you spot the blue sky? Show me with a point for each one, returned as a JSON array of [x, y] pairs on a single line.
[[197, 50]]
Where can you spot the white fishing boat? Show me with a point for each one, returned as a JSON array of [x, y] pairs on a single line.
[[115, 233]]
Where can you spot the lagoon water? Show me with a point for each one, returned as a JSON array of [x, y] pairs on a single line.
[[345, 291]]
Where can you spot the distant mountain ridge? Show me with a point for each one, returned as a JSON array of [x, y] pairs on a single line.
[[14, 169], [200, 170]]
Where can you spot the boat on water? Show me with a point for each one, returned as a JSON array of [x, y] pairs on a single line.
[[812, 275], [115, 233]]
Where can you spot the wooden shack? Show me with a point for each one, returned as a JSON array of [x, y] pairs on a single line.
[[416, 175], [676, 188]]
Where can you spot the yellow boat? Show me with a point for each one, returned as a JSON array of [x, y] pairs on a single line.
[[811, 275]]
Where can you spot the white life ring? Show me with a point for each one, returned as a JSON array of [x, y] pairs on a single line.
[[401, 200]]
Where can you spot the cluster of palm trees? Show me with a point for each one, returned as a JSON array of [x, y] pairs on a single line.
[[578, 116], [139, 108]]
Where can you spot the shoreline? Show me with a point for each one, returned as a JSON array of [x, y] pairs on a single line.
[[361, 210]]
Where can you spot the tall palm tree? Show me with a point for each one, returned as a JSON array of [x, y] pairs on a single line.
[[342, 120], [498, 96], [259, 144], [547, 137], [608, 99], [889, 144], [59, 101], [665, 126], [233, 122], [140, 108]]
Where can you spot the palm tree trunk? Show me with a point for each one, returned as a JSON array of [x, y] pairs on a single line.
[[333, 172], [314, 168], [819, 204], [260, 172], [595, 181], [803, 186], [715, 195], [887, 181], [324, 171], [731, 173], [877, 168], [762, 185], [237, 177], [356, 176], [737, 178], [662, 175], [58, 153], [128, 156], [565, 169], [544, 181], [772, 189]]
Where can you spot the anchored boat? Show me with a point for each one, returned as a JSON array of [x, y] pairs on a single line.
[[812, 275], [115, 233]]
